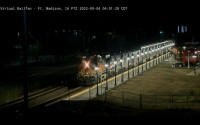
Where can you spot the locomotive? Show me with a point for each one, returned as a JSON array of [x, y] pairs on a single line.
[[93, 69]]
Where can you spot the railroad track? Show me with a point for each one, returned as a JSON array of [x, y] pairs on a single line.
[[39, 99]]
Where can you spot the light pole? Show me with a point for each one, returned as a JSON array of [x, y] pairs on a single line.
[[149, 58], [138, 63], [158, 55], [121, 70], [146, 59], [142, 60], [96, 68], [25, 66], [188, 60], [106, 65], [115, 73], [153, 55], [128, 66], [198, 59], [163, 53], [133, 64]]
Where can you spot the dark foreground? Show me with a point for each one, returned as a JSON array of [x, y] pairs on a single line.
[[95, 112]]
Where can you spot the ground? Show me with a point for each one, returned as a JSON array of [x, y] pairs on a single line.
[[161, 80]]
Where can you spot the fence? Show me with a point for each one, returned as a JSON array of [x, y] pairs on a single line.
[[144, 101]]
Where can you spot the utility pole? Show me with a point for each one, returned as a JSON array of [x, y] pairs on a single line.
[[25, 66], [188, 60], [115, 73]]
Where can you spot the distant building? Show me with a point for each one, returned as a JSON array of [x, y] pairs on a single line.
[[186, 36], [182, 29]]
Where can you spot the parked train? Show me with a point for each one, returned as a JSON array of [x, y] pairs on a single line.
[[191, 56]]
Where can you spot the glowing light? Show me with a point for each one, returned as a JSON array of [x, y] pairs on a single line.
[[86, 64]]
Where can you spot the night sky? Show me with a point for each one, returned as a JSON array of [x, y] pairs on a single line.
[[151, 16]]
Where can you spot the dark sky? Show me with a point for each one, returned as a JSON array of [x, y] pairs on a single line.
[[151, 15]]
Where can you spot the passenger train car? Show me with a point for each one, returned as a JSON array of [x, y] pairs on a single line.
[[191, 56]]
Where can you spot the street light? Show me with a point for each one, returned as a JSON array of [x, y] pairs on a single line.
[[146, 59], [115, 73], [158, 55], [121, 70], [163, 53], [149, 58], [153, 54], [142, 60], [96, 68], [106, 65], [128, 66], [138, 63], [133, 64]]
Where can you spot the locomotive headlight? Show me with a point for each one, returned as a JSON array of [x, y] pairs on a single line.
[[87, 64]]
